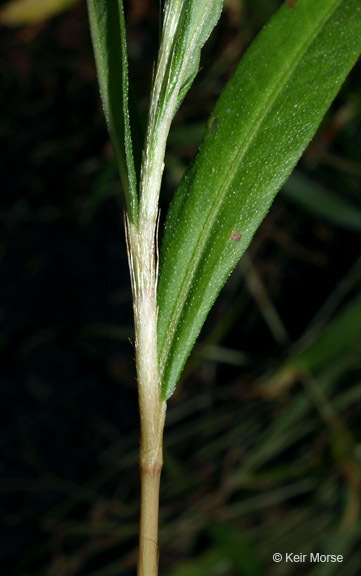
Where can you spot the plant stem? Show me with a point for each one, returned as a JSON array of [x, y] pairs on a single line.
[[142, 245], [152, 415], [143, 268], [149, 506]]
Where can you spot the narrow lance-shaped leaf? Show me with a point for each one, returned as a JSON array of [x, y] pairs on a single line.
[[261, 124], [108, 35], [187, 26], [196, 22]]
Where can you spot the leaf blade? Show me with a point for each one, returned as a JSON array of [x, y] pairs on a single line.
[[262, 122], [107, 27], [186, 28], [199, 18], [27, 12]]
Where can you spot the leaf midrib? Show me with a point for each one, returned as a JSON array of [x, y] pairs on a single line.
[[186, 284]]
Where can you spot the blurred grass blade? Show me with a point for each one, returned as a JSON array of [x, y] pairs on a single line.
[[340, 338], [322, 203], [261, 124], [25, 12], [108, 35], [332, 350]]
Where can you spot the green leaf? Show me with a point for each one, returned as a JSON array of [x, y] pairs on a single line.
[[25, 12], [198, 18], [108, 35], [187, 26], [261, 124]]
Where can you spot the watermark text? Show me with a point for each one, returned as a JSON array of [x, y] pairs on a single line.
[[312, 557]]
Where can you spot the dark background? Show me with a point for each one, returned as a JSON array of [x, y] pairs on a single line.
[[262, 447]]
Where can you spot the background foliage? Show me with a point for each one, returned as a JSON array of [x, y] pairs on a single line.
[[262, 447]]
